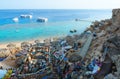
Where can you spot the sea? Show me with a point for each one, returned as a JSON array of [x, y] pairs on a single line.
[[60, 22]]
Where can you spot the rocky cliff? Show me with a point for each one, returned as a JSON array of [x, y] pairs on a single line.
[[116, 17], [107, 34]]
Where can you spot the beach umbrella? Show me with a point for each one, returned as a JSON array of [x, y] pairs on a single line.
[[38, 45], [37, 41], [75, 58], [24, 52], [4, 52], [25, 45], [11, 45], [47, 42], [70, 40]]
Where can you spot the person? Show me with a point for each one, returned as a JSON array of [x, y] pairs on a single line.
[[68, 75], [1, 67], [59, 71], [66, 68], [78, 67], [74, 74], [25, 68], [76, 46], [99, 61]]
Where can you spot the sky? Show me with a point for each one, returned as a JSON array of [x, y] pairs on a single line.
[[59, 4]]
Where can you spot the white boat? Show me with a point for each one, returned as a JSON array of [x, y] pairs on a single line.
[[15, 19], [30, 16], [26, 16], [42, 19]]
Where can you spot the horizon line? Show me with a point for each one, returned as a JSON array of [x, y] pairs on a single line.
[[60, 8]]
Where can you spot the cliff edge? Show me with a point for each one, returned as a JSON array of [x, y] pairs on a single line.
[[106, 44]]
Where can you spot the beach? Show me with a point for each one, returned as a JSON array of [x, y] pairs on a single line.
[[32, 41], [78, 54], [18, 44]]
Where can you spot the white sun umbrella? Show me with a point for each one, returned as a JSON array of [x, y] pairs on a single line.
[[47, 42], [3, 50], [37, 41], [11, 45], [25, 45], [70, 40]]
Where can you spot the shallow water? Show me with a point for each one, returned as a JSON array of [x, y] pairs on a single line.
[[60, 22]]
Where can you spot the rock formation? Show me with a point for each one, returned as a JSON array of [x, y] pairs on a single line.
[[107, 34], [116, 17]]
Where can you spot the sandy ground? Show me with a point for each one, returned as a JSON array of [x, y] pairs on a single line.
[[5, 44], [18, 43], [4, 65], [8, 62]]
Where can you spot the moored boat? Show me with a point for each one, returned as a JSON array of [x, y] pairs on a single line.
[[42, 19], [26, 16], [15, 19]]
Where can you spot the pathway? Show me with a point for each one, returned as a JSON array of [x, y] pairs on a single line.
[[86, 46]]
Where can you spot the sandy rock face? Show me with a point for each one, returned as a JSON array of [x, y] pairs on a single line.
[[108, 35], [116, 17]]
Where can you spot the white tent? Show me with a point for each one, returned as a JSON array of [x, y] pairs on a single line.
[[2, 73]]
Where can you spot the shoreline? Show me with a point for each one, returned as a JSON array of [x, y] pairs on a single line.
[[32, 41]]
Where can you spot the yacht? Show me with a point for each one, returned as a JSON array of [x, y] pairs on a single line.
[[42, 19], [15, 19], [26, 16]]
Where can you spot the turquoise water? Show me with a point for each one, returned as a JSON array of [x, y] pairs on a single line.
[[18, 32], [59, 24]]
